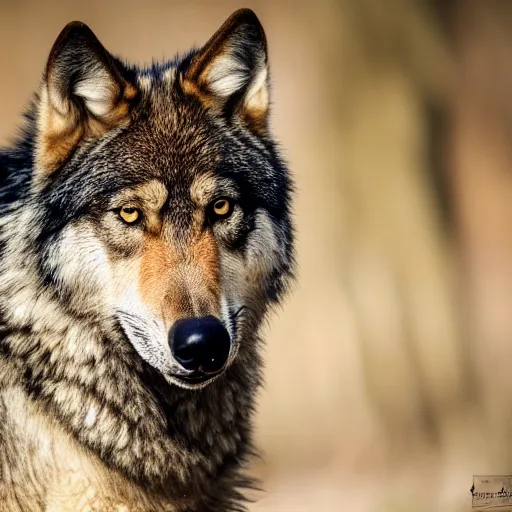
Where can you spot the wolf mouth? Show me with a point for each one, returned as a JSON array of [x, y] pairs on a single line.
[[194, 352], [197, 378]]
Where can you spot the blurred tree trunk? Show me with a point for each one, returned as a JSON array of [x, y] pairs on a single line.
[[480, 159], [422, 92], [394, 69], [389, 308]]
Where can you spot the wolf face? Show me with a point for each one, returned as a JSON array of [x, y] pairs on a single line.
[[158, 201], [144, 232]]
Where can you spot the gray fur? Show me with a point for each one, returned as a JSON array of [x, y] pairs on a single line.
[[91, 416]]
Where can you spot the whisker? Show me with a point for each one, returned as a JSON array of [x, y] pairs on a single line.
[[239, 311]]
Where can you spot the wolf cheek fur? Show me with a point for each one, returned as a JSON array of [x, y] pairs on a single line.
[[110, 238]]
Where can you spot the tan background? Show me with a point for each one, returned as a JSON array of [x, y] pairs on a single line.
[[389, 377]]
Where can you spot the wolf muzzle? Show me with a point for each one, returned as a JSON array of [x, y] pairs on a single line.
[[201, 346]]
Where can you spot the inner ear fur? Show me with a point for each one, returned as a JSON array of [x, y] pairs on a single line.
[[230, 72], [84, 94]]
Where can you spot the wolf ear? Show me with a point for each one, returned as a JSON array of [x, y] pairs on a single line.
[[84, 94], [230, 72]]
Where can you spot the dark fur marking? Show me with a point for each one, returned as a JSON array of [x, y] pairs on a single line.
[[191, 443]]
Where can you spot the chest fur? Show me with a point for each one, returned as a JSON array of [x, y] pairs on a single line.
[[43, 469]]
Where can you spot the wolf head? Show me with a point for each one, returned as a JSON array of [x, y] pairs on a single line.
[[157, 200]]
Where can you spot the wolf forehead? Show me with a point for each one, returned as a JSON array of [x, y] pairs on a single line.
[[169, 139], [175, 138], [192, 159], [88, 94], [172, 132]]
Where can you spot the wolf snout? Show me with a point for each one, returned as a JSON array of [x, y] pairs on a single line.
[[200, 345]]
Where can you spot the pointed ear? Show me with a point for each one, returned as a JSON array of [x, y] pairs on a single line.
[[84, 94], [230, 72]]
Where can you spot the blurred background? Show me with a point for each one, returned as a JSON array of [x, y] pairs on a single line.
[[389, 370]]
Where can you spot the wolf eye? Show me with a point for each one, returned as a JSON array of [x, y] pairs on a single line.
[[222, 207], [129, 214]]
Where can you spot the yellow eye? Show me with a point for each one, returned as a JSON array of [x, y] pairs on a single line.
[[129, 214], [221, 207]]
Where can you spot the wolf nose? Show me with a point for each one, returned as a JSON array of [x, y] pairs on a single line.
[[200, 344]]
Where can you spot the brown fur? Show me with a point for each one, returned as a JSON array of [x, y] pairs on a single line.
[[196, 81], [154, 282], [192, 288], [98, 413]]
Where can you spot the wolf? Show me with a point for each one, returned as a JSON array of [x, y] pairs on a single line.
[[145, 233]]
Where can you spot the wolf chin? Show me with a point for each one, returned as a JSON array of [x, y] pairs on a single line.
[[145, 232]]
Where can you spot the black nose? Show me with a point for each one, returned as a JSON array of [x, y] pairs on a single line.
[[200, 344]]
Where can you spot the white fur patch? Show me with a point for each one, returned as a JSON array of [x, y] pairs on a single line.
[[264, 248], [227, 75], [145, 331], [169, 75], [81, 260], [224, 311], [144, 82], [90, 417], [257, 95], [96, 90]]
